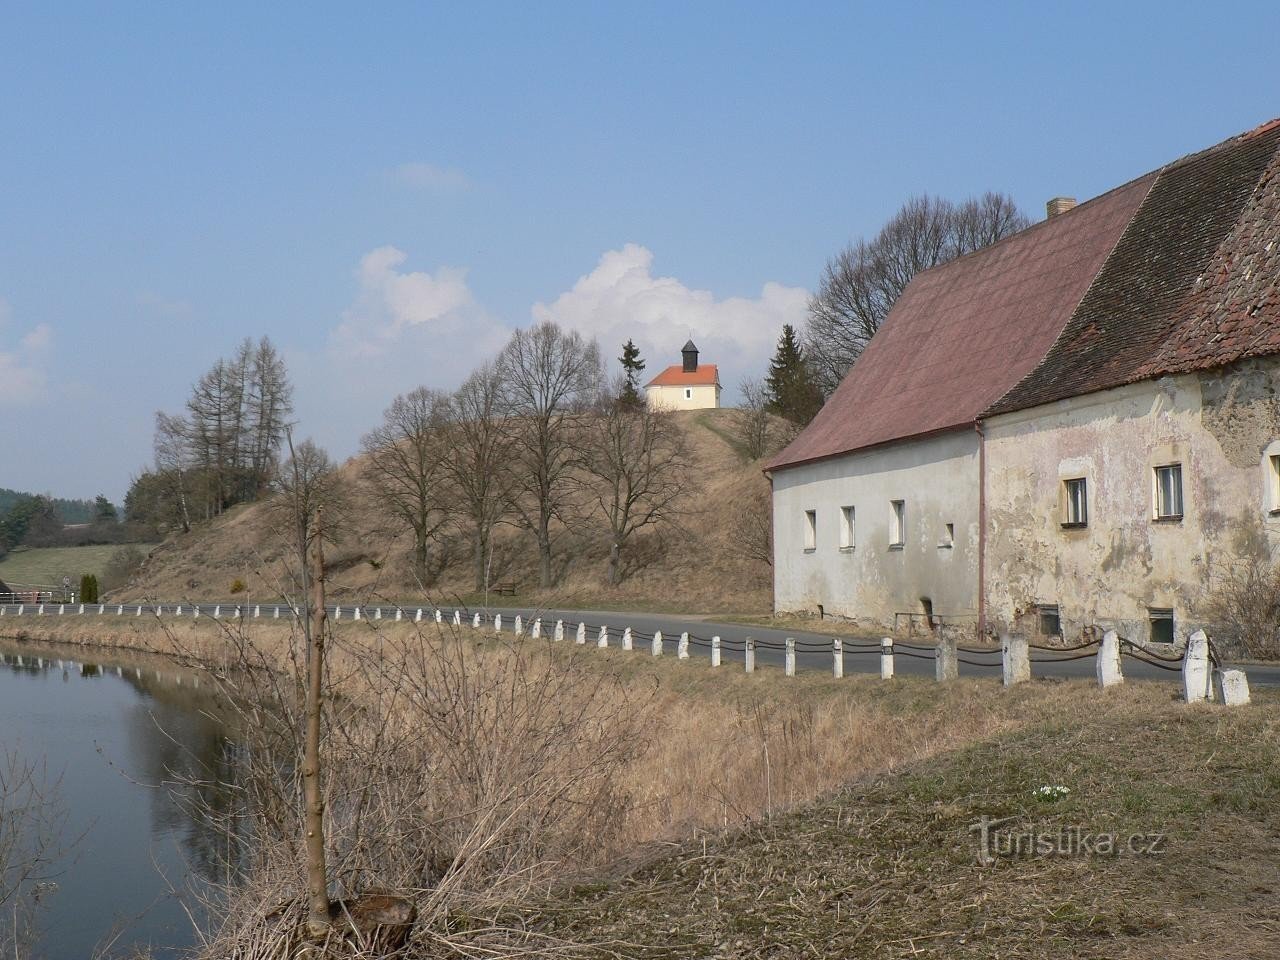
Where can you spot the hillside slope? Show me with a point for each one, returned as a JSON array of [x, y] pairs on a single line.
[[694, 567]]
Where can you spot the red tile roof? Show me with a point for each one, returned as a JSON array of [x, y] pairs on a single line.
[[963, 333], [674, 376], [1194, 283]]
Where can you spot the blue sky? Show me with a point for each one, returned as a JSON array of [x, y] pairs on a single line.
[[387, 190]]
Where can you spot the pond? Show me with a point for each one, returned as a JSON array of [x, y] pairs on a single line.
[[119, 739]]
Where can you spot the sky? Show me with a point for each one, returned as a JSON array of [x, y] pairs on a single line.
[[388, 190]]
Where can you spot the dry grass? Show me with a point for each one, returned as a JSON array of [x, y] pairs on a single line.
[[762, 816], [888, 868], [373, 557]]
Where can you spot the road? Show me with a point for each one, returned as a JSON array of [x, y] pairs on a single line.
[[813, 650]]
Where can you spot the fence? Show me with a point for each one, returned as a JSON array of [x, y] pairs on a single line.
[[1204, 676]]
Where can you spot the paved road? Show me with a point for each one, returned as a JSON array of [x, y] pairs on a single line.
[[813, 650]]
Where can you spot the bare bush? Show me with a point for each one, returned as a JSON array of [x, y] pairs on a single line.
[[32, 820], [753, 425], [1245, 607], [461, 777]]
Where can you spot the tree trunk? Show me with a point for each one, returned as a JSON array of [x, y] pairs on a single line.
[[544, 557], [313, 795], [482, 543], [615, 563], [421, 556]]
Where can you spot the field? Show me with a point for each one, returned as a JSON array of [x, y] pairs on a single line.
[[763, 816], [48, 565]]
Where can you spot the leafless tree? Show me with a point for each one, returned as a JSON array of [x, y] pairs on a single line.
[[32, 823], [753, 424], [635, 470], [548, 375], [171, 453], [751, 535], [861, 283], [307, 482], [477, 449], [407, 464]]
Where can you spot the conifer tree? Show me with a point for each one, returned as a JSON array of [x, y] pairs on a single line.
[[790, 387], [629, 395]]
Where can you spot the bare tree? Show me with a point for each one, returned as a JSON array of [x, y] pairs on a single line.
[[477, 447], [308, 481], [751, 535], [171, 452], [548, 376], [861, 283], [753, 425], [406, 464], [634, 465]]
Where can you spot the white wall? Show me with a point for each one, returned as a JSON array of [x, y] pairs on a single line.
[[1220, 426], [702, 397], [937, 478]]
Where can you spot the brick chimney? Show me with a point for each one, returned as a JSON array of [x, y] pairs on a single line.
[[1059, 205]]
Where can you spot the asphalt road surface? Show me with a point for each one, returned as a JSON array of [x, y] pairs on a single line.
[[813, 650]]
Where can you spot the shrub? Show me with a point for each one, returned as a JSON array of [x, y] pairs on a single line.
[[1245, 607], [88, 588], [237, 586]]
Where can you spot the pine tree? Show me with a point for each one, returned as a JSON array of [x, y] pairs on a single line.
[[633, 365], [790, 387]]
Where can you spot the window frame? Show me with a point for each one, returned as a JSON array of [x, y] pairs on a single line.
[[1273, 484], [1160, 508], [1161, 615], [948, 536], [1071, 519], [848, 528], [810, 531], [897, 524], [1045, 611]]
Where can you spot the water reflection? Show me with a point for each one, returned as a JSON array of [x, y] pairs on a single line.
[[140, 749]]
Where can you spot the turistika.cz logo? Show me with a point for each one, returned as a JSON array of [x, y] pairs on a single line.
[[997, 843]]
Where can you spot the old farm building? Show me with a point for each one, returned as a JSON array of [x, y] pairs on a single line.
[[1077, 426]]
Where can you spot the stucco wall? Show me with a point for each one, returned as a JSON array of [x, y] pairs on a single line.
[[705, 396], [937, 479], [1221, 426]]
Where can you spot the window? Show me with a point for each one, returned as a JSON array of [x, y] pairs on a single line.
[[1169, 492], [1076, 498], [847, 539], [1273, 475], [948, 535], [897, 523], [810, 529], [1161, 621], [688, 393], [1050, 620]]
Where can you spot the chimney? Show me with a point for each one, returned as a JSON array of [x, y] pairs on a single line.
[[690, 354], [1059, 205]]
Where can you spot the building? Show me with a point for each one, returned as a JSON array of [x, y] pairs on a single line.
[[1078, 426], [688, 385]]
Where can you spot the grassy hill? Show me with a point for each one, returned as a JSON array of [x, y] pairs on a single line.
[[48, 565], [695, 566]]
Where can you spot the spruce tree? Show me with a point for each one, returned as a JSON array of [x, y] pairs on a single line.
[[790, 387], [632, 365]]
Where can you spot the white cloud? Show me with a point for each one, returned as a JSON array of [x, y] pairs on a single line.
[[391, 301], [426, 176], [621, 299], [22, 378]]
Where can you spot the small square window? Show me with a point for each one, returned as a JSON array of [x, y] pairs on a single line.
[[1169, 492], [1076, 502], [1050, 620], [1161, 621], [948, 535], [897, 523], [847, 539], [688, 393], [810, 529]]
